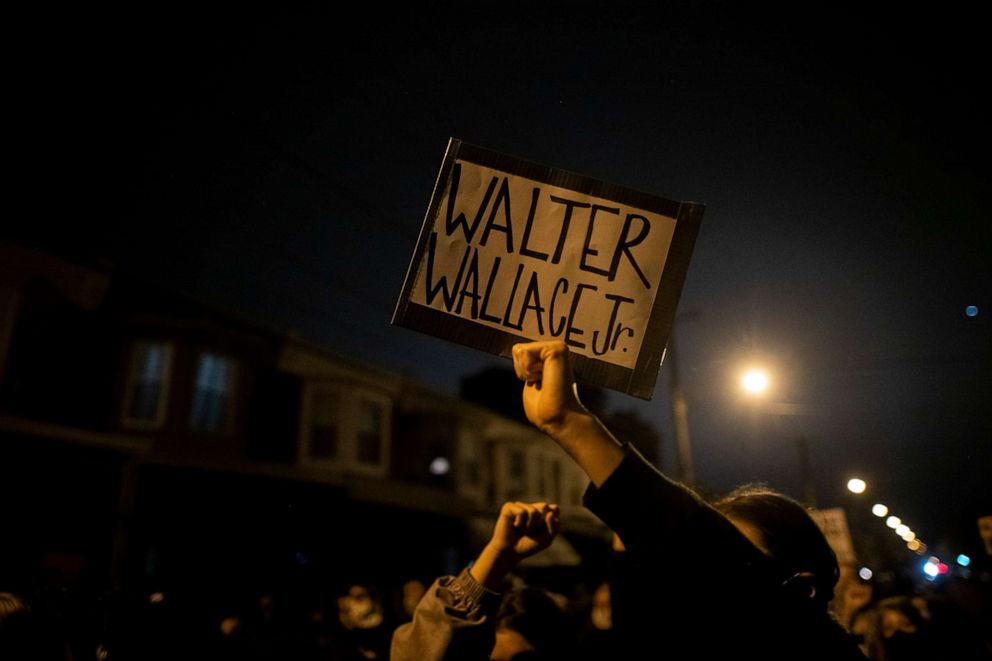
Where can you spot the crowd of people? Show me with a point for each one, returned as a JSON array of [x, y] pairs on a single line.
[[523, 618], [765, 588]]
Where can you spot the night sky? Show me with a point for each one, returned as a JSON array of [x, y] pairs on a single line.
[[278, 164]]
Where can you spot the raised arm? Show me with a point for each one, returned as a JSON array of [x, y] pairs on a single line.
[[552, 405], [455, 619], [521, 530]]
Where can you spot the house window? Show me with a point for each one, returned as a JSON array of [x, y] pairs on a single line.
[[471, 452], [325, 429], [542, 478], [345, 427], [369, 432], [473, 472], [148, 384], [212, 396], [578, 488], [551, 487], [517, 465], [548, 478], [515, 475], [555, 488]]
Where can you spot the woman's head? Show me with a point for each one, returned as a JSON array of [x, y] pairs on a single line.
[[783, 529]]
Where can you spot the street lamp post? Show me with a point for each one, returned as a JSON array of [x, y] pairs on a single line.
[[756, 383], [680, 417]]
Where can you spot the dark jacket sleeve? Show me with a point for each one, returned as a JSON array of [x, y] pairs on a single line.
[[688, 566], [664, 520], [455, 620]]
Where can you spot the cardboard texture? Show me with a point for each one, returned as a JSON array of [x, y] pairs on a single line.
[[514, 251]]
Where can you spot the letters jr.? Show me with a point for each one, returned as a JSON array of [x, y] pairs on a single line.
[[467, 262]]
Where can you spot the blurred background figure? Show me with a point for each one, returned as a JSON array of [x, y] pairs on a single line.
[[26, 635], [904, 631], [17, 627], [860, 623], [852, 595], [596, 632], [412, 591], [365, 633], [985, 532], [531, 625], [894, 629], [601, 616]]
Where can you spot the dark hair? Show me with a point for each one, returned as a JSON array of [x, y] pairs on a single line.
[[534, 614], [788, 534]]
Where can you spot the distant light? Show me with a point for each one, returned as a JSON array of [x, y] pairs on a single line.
[[865, 574], [893, 522], [156, 597], [971, 310], [942, 568], [913, 545], [908, 536], [439, 466], [856, 485], [879, 510], [964, 560], [930, 569], [755, 381], [902, 529]]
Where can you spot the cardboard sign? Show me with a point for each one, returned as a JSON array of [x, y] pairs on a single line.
[[513, 251]]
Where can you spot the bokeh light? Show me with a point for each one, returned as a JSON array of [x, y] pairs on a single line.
[[856, 485], [439, 466], [755, 381]]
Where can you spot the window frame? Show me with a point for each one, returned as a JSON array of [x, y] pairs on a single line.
[[472, 449], [231, 383], [349, 398], [133, 373]]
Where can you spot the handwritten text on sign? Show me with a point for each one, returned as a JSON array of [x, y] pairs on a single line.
[[544, 262]]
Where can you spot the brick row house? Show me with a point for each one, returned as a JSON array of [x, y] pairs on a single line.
[[147, 439]]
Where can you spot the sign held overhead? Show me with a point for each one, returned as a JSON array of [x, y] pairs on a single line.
[[513, 251]]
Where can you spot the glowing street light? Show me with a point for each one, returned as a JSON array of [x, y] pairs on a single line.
[[893, 522], [755, 381], [439, 466], [879, 510], [856, 485]]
